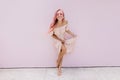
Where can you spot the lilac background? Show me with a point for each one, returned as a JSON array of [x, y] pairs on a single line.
[[24, 41]]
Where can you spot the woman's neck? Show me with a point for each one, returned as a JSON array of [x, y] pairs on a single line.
[[59, 22]]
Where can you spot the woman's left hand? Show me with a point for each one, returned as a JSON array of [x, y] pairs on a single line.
[[74, 35]]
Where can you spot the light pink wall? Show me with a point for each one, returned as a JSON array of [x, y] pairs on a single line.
[[24, 41]]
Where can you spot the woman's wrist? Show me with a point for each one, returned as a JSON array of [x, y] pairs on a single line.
[[62, 41]]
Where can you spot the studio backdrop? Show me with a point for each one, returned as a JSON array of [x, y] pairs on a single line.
[[25, 42]]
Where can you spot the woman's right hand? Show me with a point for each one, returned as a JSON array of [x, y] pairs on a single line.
[[62, 41]]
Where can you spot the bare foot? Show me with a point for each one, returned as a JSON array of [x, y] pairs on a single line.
[[59, 71]]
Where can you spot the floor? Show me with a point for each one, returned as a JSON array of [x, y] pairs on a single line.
[[96, 73]]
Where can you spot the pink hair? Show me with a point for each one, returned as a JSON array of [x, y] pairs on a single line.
[[55, 20]]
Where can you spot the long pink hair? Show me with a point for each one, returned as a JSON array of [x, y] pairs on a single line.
[[55, 20]]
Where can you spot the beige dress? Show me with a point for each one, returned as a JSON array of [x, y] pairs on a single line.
[[62, 34]]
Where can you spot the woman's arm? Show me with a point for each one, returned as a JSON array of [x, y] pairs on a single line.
[[56, 37], [71, 33], [68, 30]]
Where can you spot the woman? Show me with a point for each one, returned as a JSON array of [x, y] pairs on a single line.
[[58, 30]]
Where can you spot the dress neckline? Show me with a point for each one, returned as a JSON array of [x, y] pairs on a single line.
[[60, 26]]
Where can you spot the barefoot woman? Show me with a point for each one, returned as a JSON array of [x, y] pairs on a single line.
[[57, 30]]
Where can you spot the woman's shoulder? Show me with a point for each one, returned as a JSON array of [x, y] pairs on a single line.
[[65, 22]]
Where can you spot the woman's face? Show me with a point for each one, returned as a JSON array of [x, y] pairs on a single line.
[[60, 15]]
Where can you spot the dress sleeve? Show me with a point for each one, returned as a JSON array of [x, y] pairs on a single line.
[[51, 31]]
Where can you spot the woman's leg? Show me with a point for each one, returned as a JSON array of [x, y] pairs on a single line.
[[60, 58]]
